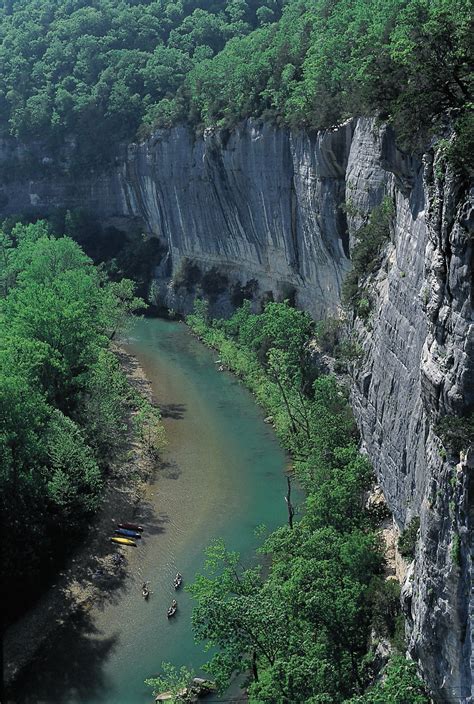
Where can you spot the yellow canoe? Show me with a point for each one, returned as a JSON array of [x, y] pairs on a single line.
[[124, 541]]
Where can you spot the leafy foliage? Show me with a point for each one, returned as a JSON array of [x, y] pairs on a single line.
[[366, 254], [107, 69], [63, 397], [171, 680], [98, 69], [401, 685], [457, 432], [408, 538]]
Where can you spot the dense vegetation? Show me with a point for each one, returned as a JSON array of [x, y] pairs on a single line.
[[303, 631], [100, 69], [366, 256], [64, 399]]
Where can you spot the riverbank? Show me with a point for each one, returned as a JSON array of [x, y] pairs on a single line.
[[91, 576], [220, 476]]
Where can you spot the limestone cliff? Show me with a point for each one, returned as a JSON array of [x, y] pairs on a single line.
[[259, 204], [274, 211], [418, 365]]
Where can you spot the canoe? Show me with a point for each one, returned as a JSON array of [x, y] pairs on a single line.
[[128, 533], [130, 526], [124, 541], [172, 609]]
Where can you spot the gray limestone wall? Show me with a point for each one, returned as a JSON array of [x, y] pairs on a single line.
[[259, 204], [417, 366], [281, 208]]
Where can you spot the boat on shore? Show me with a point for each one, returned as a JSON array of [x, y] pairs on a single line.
[[127, 533], [123, 541], [131, 526]]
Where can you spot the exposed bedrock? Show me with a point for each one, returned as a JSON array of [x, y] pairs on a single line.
[[262, 204], [418, 365], [258, 204]]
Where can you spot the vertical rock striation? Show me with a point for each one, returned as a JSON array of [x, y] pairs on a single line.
[[418, 366], [257, 204], [277, 210]]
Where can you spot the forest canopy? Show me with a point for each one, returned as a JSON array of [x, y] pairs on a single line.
[[105, 70], [64, 399]]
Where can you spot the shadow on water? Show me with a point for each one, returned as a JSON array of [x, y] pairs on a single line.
[[155, 523], [80, 665], [175, 411], [170, 469]]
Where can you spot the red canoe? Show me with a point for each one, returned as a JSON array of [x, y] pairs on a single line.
[[130, 526]]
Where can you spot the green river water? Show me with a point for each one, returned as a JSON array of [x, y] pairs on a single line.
[[223, 476]]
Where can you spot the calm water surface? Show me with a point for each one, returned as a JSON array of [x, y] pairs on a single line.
[[223, 476]]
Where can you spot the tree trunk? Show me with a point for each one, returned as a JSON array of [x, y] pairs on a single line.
[[291, 510]]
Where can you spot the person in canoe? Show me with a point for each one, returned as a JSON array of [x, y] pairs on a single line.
[[172, 609], [145, 590], [178, 580]]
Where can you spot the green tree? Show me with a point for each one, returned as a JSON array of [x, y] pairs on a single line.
[[171, 680], [401, 685], [63, 397]]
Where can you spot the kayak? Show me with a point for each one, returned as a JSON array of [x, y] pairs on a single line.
[[124, 541], [130, 526], [128, 533]]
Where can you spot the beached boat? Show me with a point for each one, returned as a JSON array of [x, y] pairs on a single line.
[[128, 533], [131, 526], [123, 541]]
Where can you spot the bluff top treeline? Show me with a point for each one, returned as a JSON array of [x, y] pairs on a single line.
[[103, 70], [100, 68]]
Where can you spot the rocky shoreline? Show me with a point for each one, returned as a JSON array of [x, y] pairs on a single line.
[[92, 573]]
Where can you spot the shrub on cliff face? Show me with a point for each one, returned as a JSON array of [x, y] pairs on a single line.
[[456, 432], [401, 685], [240, 293], [214, 282], [366, 255], [408, 538], [328, 334], [385, 606]]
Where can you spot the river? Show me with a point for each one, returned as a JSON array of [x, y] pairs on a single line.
[[222, 476]]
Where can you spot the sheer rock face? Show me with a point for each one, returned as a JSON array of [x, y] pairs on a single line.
[[264, 203], [418, 366], [258, 204]]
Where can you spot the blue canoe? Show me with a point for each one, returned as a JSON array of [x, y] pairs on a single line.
[[127, 533]]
